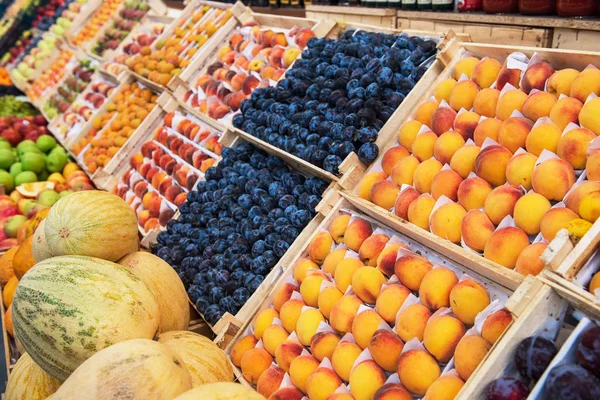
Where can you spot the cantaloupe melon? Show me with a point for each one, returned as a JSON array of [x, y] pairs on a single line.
[[23, 260], [137, 369], [6, 267], [206, 362], [28, 381], [8, 292], [165, 284], [39, 245], [221, 391], [92, 223], [68, 308]]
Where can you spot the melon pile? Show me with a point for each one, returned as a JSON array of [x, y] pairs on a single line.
[[94, 315]]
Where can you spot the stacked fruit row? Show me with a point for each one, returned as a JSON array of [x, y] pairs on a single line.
[[234, 227], [142, 36], [362, 305], [173, 52], [22, 47], [65, 61], [337, 97], [74, 83], [167, 168], [254, 56], [101, 16], [37, 53], [110, 131], [491, 160]]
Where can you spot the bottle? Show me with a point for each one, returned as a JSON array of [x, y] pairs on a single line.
[[537, 7], [442, 5], [500, 6], [409, 4], [469, 5], [424, 5], [576, 8]]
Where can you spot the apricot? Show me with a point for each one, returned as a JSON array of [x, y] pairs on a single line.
[[367, 282], [411, 322], [246, 343], [486, 72], [371, 248], [423, 145], [561, 81], [463, 95], [446, 221], [385, 348], [365, 379], [572, 146], [370, 179], [472, 193], [586, 83], [254, 362], [505, 245], [487, 128], [446, 145], [307, 325], [300, 370], [436, 286], [508, 75], [463, 160], [495, 324], [392, 391], [535, 76], [491, 164], [319, 247], [384, 194], [391, 157], [344, 356], [417, 371], [270, 380], [344, 272], [589, 116], [405, 198], [425, 112], [565, 111], [301, 269], [520, 169], [323, 344], [364, 326], [510, 102], [387, 258], [420, 210], [327, 299], [273, 336], [471, 350], [442, 120], [410, 269], [290, 312], [513, 133], [282, 294], [589, 208], [574, 199], [555, 220], [287, 352], [404, 170], [553, 178], [529, 261], [310, 289], [287, 393], [501, 202], [264, 320], [322, 383], [356, 233], [343, 313], [408, 132], [592, 166], [446, 387], [441, 336], [443, 89], [338, 227], [476, 228], [446, 183], [544, 136], [424, 174], [390, 300], [465, 66], [332, 260], [538, 105], [529, 212], [468, 298]]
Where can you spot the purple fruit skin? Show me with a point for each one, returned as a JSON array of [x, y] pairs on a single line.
[[588, 350], [533, 356], [506, 389], [572, 382]]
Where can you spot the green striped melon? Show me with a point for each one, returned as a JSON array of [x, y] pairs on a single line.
[[206, 362], [28, 381], [137, 369], [92, 223], [67, 308], [39, 245], [165, 284], [221, 391]]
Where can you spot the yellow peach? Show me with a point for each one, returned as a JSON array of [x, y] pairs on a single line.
[[446, 183], [343, 313], [322, 383], [246, 343], [565, 111], [287, 352], [307, 325], [343, 358], [423, 145], [561, 81], [441, 336], [290, 312], [385, 348], [411, 322], [509, 102], [592, 166], [476, 228], [420, 210], [327, 299], [345, 271], [410, 269], [387, 258], [463, 160], [364, 326], [446, 221], [445, 387], [468, 298], [556, 219], [365, 379], [417, 371], [403, 171], [338, 226], [491, 164], [486, 72], [538, 105], [463, 95], [586, 83], [487, 128], [501, 202], [264, 320], [486, 101], [323, 344], [471, 350], [589, 208], [370, 179], [553, 178], [282, 294], [513, 133], [465, 66], [529, 211], [356, 233], [520, 169], [384, 194], [301, 269], [466, 123], [495, 325], [273, 336], [310, 289], [270, 380], [574, 199], [472, 193], [446, 145], [436, 287], [535, 76], [371, 248], [320, 246], [544, 136], [254, 363], [300, 370], [408, 132], [367, 282], [572, 146], [425, 112], [390, 300], [442, 120], [444, 88], [424, 174], [391, 157], [529, 261], [589, 117], [505, 245]]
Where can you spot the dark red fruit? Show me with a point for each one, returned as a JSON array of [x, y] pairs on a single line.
[[588, 350], [506, 389], [533, 356], [572, 382]]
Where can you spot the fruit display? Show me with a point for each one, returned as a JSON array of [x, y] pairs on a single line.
[[361, 303], [495, 163], [57, 15], [75, 81], [110, 131], [142, 35], [34, 56], [66, 61], [129, 16], [92, 26], [167, 167], [173, 51], [11, 107], [16, 129], [4, 78], [254, 56], [336, 98], [234, 227], [21, 46]]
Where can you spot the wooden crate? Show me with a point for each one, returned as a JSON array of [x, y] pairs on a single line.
[[547, 304], [383, 17], [84, 14], [489, 278]]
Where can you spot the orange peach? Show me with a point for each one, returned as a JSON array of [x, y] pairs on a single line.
[[282, 294], [505, 245], [529, 261], [476, 228], [529, 211], [425, 111], [254, 363], [544, 136], [508, 75], [446, 221], [300, 370], [364, 188], [319, 247], [486, 72], [270, 380], [565, 111], [246, 343], [491, 164], [472, 193], [513, 133], [322, 383], [436, 286], [411, 322], [468, 298], [487, 128], [441, 336], [442, 120], [486, 101], [384, 194], [344, 272], [287, 393], [356, 233], [410, 269], [586, 83], [287, 352], [371, 247], [367, 282], [446, 145], [344, 356], [365, 379], [420, 210], [501, 202], [465, 66], [553, 178], [387, 258], [417, 371], [561, 81], [332, 260], [465, 124], [364, 326], [495, 325], [444, 88], [556, 219], [273, 336], [307, 325], [343, 312], [535, 76], [403, 171], [392, 391], [463, 160], [424, 174], [408, 132], [520, 169], [323, 344], [385, 348], [589, 116], [390, 300], [301, 269], [290, 312], [509, 102], [338, 227], [573, 201], [445, 183], [310, 289], [328, 297], [423, 145], [463, 95], [471, 350], [405, 198], [445, 387], [538, 105], [391, 157], [572, 146], [263, 320]]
